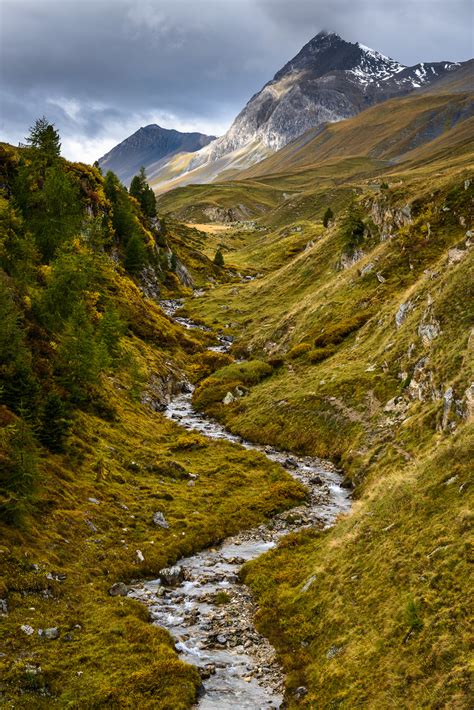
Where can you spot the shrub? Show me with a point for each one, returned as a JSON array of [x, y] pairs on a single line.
[[299, 350], [352, 229], [276, 362], [219, 258], [336, 333], [320, 354], [327, 217]]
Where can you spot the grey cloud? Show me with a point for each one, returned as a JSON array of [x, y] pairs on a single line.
[[100, 68]]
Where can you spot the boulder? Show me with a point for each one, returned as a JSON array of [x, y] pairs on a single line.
[[119, 589], [172, 576], [301, 692], [50, 634], [402, 312]]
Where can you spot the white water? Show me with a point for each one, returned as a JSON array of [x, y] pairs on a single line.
[[237, 664]]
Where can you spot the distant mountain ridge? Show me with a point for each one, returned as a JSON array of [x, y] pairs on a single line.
[[149, 146], [329, 80]]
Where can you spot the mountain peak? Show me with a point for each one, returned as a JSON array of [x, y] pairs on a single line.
[[324, 34], [148, 146]]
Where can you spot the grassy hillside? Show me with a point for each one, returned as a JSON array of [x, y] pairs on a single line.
[[367, 328], [396, 127], [427, 131], [86, 457]]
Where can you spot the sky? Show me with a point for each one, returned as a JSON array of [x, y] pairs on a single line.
[[100, 69]]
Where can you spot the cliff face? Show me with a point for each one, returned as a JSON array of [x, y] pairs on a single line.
[[328, 80]]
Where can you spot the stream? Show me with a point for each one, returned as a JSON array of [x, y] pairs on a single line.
[[201, 602]]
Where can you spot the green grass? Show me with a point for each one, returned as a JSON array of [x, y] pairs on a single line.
[[107, 653], [384, 622]]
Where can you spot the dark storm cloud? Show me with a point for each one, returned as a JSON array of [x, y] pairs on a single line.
[[102, 68]]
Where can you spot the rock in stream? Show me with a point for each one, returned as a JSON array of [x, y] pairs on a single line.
[[208, 612]]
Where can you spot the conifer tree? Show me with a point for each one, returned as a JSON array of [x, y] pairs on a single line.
[[55, 424], [135, 255], [44, 137], [173, 262], [328, 215], [219, 258], [142, 192]]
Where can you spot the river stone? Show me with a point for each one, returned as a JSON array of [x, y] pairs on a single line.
[[3, 607], [119, 589], [172, 576], [27, 629], [159, 519]]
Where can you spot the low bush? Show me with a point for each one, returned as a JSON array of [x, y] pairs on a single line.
[[320, 354], [299, 350], [335, 333]]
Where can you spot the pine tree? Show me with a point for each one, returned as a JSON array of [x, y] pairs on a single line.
[[19, 472], [55, 424], [45, 138], [219, 258], [352, 228], [142, 192], [328, 215], [135, 255]]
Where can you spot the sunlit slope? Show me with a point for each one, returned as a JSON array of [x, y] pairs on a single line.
[[387, 131], [179, 171], [371, 350]]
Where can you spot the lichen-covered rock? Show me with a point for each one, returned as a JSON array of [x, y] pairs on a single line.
[[119, 589], [172, 576], [228, 399], [402, 312], [160, 520]]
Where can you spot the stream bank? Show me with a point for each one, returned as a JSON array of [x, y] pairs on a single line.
[[200, 600]]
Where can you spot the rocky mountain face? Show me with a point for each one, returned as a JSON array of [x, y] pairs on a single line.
[[328, 80], [149, 146]]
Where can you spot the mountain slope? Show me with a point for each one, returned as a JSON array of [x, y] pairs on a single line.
[[149, 146], [368, 322], [327, 81], [411, 132], [384, 132]]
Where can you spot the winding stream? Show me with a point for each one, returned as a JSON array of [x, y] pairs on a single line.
[[236, 663]]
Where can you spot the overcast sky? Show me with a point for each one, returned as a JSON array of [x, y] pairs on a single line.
[[100, 69]]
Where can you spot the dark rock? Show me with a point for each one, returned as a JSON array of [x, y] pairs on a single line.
[[316, 481], [206, 671], [119, 589]]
